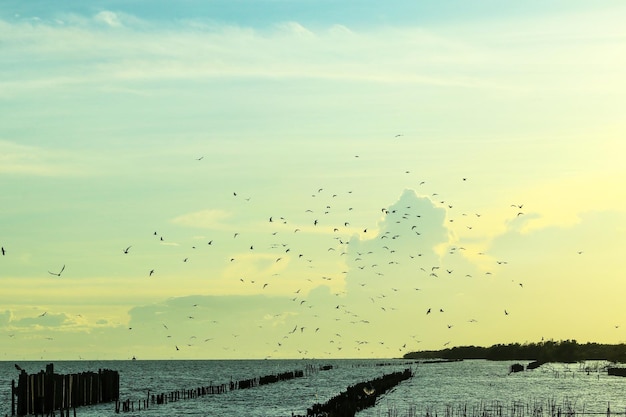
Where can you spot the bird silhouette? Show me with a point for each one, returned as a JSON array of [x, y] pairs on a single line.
[[58, 274]]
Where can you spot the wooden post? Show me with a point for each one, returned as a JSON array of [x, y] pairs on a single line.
[[64, 401], [12, 397], [54, 394], [31, 394], [70, 392]]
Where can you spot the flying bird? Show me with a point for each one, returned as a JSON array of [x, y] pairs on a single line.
[[3, 251], [59, 273], [127, 249]]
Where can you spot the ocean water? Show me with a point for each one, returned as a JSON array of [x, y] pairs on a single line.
[[439, 388]]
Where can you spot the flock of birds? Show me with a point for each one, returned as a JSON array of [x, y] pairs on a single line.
[[364, 266]]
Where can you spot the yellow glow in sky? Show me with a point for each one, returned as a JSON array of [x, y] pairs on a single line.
[[284, 186]]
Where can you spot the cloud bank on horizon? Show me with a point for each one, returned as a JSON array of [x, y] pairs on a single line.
[[308, 182]]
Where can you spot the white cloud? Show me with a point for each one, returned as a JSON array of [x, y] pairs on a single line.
[[467, 56], [291, 50], [109, 18], [340, 30], [295, 28], [209, 219]]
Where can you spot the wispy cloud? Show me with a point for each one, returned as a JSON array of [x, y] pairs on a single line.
[[130, 50], [108, 18], [36, 161], [113, 47], [43, 320], [206, 219]]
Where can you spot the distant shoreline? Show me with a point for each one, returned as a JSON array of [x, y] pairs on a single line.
[[567, 351]]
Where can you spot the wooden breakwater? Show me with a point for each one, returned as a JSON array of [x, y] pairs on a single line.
[[358, 397], [46, 392], [207, 390]]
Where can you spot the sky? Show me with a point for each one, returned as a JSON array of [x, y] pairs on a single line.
[[309, 179]]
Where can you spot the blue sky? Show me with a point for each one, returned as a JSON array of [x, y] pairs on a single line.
[[411, 156], [356, 13], [260, 13]]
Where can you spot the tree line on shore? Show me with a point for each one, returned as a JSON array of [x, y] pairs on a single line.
[[544, 351]]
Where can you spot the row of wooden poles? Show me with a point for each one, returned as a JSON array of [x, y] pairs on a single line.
[[358, 397], [197, 392], [45, 392]]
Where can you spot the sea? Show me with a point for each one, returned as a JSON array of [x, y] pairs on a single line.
[[469, 388]]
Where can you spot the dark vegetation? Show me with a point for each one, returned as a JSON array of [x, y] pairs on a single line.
[[547, 351]]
